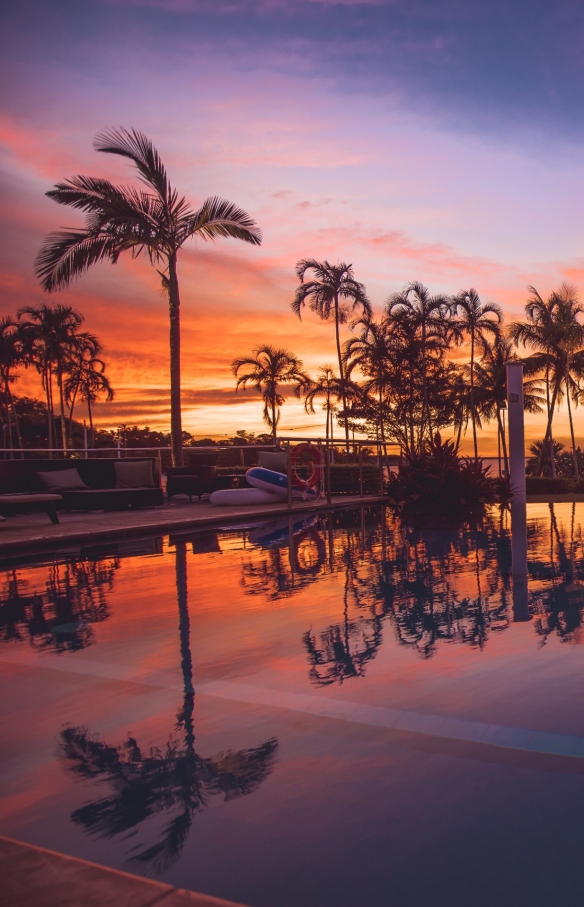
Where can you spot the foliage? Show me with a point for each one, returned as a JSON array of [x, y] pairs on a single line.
[[436, 480]]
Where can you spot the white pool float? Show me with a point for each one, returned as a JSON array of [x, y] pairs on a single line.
[[232, 497]]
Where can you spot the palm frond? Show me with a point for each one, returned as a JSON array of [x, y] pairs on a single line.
[[219, 217], [67, 254], [138, 148]]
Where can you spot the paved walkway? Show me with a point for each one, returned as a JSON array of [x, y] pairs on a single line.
[[35, 877], [34, 531]]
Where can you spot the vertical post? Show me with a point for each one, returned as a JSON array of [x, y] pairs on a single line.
[[360, 470], [291, 549], [328, 474], [380, 457], [516, 429], [85, 439], [289, 474], [119, 451]]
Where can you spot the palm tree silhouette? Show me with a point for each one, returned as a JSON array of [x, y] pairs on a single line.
[[50, 337], [333, 293], [473, 318], [491, 378], [122, 218], [11, 356], [371, 352], [427, 316], [87, 379], [553, 332], [175, 779], [270, 368], [327, 385]]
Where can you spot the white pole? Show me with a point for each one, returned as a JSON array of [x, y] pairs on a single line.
[[516, 429], [519, 560]]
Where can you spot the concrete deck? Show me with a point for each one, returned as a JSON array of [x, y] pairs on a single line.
[[35, 877], [34, 531]]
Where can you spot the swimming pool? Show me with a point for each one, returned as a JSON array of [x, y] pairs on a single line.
[[369, 715]]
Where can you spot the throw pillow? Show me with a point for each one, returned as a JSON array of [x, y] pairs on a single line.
[[62, 480], [134, 475], [277, 462]]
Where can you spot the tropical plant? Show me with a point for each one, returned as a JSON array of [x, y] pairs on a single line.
[[436, 481], [371, 352], [11, 356], [425, 318], [268, 369], [50, 336], [333, 294], [327, 385], [490, 375], [87, 379], [556, 337], [122, 218], [481, 322]]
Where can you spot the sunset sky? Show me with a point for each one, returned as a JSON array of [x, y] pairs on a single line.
[[436, 141]]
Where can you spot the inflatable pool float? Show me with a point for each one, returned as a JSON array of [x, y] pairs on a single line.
[[233, 497], [275, 482], [275, 534]]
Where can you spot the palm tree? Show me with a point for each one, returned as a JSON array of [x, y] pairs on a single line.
[[123, 218], [50, 338], [268, 369], [428, 316], [333, 293], [555, 335], [490, 375], [11, 356], [87, 379], [371, 353], [327, 385], [480, 322]]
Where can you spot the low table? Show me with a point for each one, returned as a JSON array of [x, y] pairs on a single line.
[[11, 504]]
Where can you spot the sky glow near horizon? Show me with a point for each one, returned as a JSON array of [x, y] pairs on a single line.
[[438, 144]]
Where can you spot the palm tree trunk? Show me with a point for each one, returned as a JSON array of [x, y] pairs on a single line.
[[274, 421], [186, 660], [548, 432], [50, 413], [14, 417], [503, 441], [90, 415], [341, 373], [62, 406], [175, 401], [472, 400], [574, 454]]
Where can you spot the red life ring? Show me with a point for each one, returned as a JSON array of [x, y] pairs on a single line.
[[314, 480], [309, 535]]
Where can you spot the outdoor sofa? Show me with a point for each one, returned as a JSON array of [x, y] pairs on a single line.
[[92, 484]]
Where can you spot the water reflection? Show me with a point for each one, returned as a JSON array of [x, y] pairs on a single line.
[[174, 780], [57, 609]]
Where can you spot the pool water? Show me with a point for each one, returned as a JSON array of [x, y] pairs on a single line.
[[339, 711]]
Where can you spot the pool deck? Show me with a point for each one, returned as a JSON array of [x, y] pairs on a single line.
[[35, 877], [34, 531]]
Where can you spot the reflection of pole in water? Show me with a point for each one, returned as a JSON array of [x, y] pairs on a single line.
[[516, 428], [519, 560]]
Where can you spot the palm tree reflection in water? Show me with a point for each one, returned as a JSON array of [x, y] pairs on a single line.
[[173, 779], [75, 596], [417, 581]]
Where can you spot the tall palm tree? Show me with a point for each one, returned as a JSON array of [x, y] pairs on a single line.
[[327, 385], [11, 356], [490, 375], [370, 351], [50, 337], [87, 380], [480, 322], [333, 293], [268, 369], [122, 218], [428, 316], [556, 337]]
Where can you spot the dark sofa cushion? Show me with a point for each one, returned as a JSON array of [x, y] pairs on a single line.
[[60, 480], [134, 475]]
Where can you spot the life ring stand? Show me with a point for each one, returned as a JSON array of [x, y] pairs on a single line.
[[315, 479], [312, 535]]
